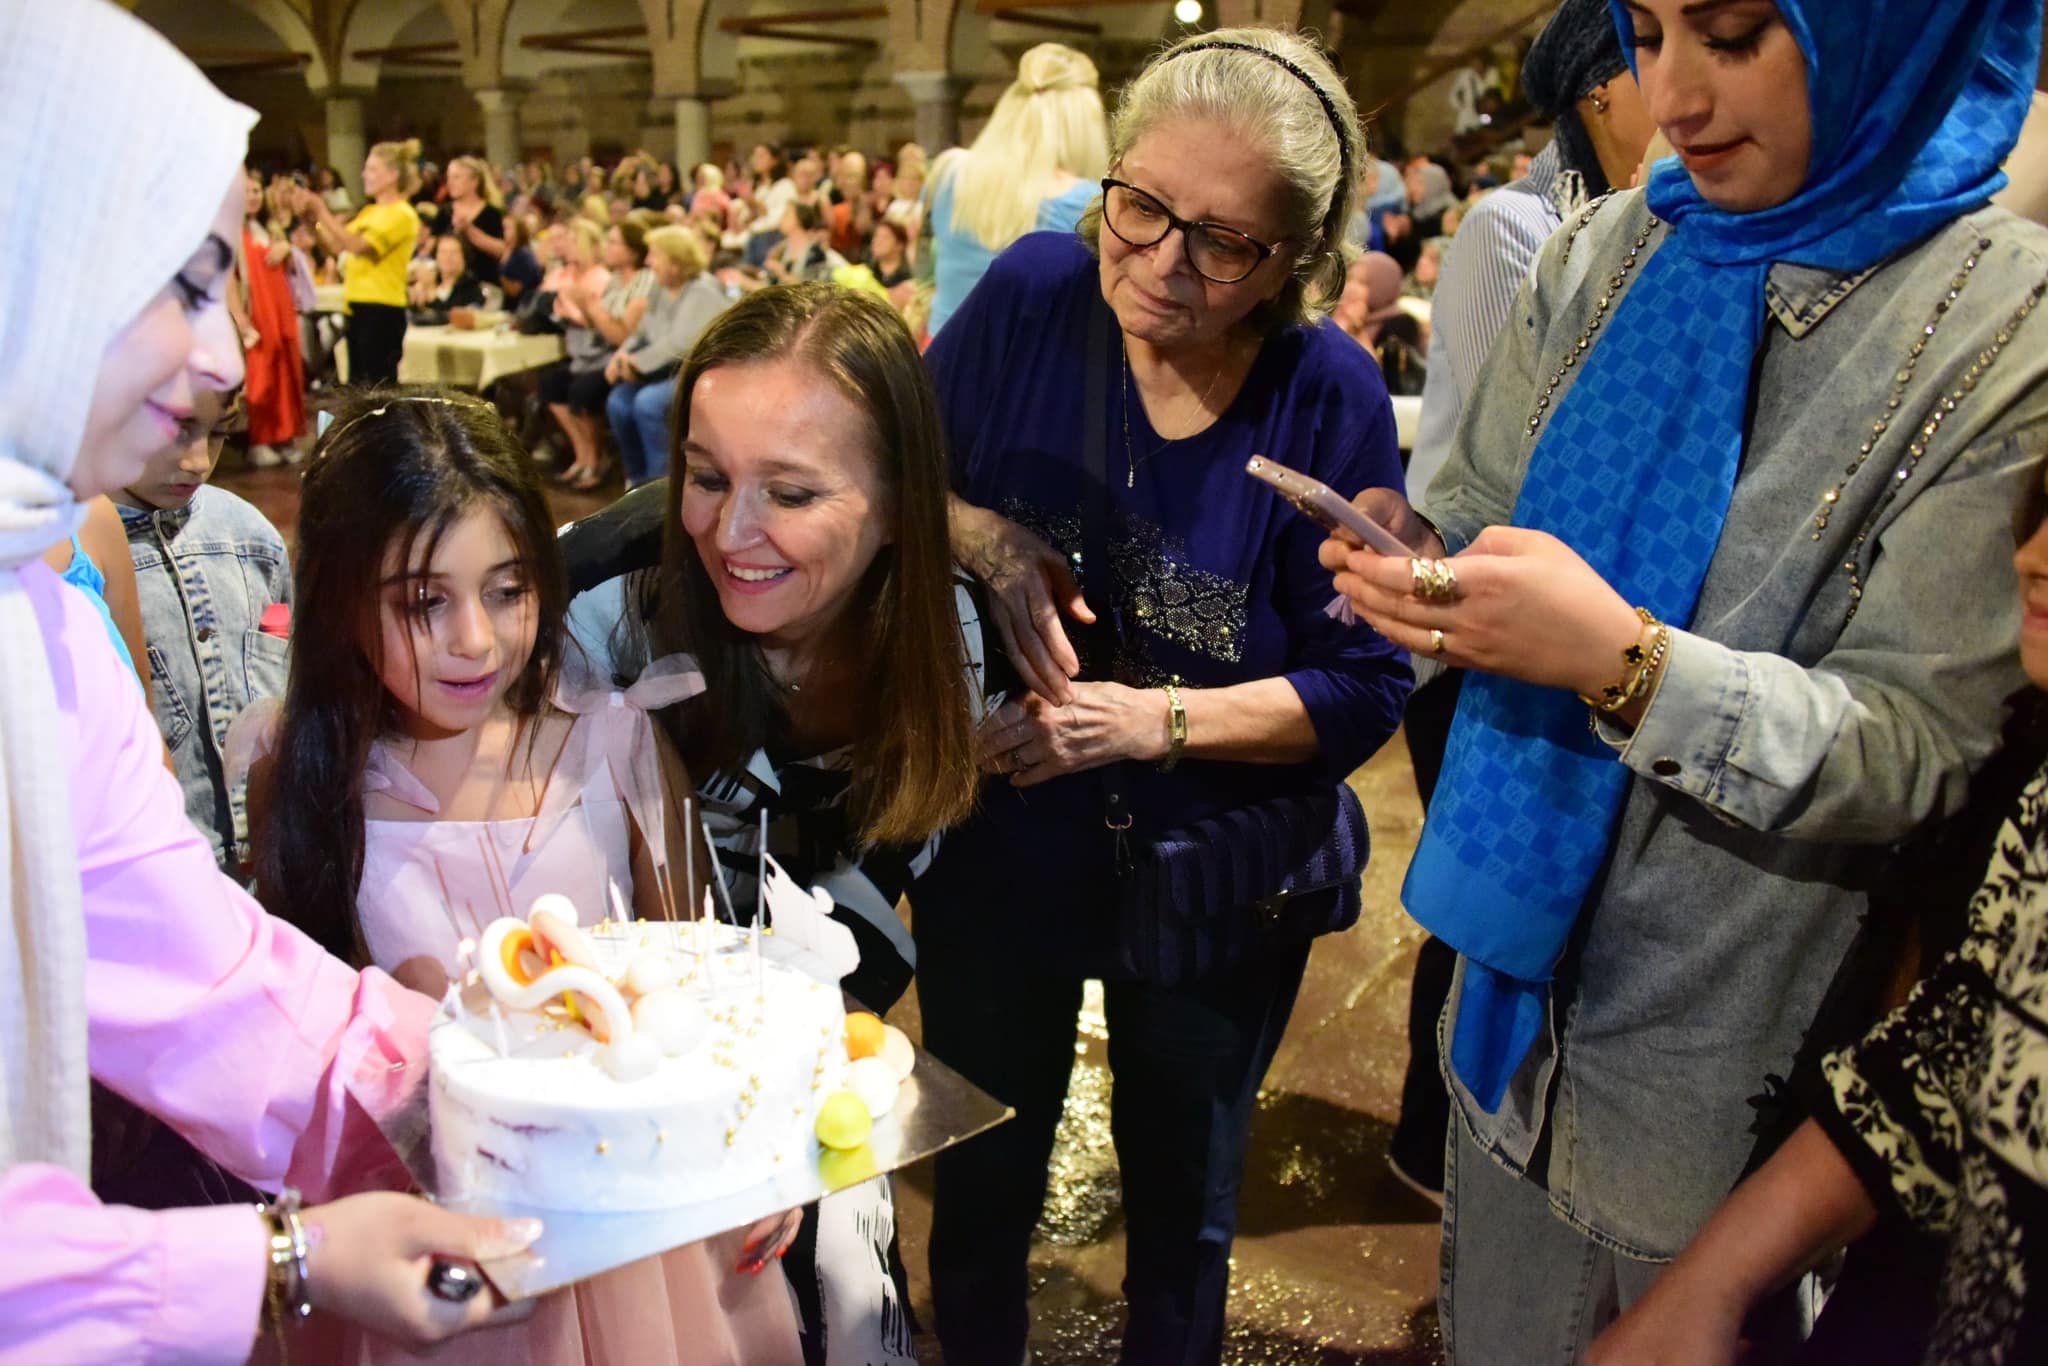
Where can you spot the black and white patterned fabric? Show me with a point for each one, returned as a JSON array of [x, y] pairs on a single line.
[[1943, 1107]]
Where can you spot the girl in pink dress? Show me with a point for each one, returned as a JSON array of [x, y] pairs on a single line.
[[436, 765]]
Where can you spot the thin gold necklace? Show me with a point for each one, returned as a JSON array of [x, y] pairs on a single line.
[[1131, 461]]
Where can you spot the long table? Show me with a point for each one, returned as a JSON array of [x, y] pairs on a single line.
[[472, 359]]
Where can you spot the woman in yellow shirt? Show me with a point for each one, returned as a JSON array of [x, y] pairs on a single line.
[[379, 241]]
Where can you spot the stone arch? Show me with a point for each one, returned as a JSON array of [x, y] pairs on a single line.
[[1386, 44], [281, 20]]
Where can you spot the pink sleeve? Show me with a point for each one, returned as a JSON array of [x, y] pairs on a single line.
[[231, 1026], [82, 1281]]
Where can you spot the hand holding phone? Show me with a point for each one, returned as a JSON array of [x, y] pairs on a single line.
[[1316, 501]]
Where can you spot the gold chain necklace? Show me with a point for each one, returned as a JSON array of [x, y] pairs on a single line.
[[1131, 461]]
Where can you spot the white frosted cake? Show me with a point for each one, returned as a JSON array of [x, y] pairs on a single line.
[[662, 1085]]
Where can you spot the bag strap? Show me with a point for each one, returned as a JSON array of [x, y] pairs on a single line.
[[1096, 575]]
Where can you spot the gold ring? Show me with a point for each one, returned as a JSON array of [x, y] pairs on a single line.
[[1433, 580], [1446, 580], [1017, 759], [1436, 642]]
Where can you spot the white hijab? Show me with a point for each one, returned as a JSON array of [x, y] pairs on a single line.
[[117, 154]]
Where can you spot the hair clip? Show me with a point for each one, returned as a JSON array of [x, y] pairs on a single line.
[[327, 418]]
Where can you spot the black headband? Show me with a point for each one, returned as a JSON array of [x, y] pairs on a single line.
[[1322, 97]]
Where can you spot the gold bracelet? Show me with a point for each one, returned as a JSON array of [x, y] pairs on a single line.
[[1641, 658], [1176, 725], [285, 1294]]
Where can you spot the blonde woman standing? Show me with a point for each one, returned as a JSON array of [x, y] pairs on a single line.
[[379, 241], [1033, 169], [475, 216]]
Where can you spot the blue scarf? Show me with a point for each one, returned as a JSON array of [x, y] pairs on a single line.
[[1914, 105]]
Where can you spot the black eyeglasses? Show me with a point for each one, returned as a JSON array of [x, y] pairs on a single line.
[[1219, 254]]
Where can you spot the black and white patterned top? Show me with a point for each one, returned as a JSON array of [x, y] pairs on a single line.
[[1942, 1109], [804, 796]]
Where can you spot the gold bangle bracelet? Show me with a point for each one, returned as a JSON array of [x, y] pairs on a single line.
[[1640, 659], [1176, 725]]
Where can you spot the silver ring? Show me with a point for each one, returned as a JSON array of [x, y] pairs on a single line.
[[453, 1282]]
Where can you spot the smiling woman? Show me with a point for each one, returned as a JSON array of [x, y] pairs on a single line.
[[804, 563], [1726, 81]]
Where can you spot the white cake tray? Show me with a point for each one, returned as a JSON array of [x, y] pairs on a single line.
[[935, 1108]]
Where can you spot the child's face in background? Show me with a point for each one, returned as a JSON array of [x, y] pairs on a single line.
[[448, 258], [456, 632], [2031, 563], [175, 473]]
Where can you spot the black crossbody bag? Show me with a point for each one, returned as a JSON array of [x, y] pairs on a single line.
[[1197, 901]]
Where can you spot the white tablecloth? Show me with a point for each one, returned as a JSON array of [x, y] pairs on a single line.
[[1407, 420], [471, 360]]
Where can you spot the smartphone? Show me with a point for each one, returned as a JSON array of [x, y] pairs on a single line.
[[1314, 500]]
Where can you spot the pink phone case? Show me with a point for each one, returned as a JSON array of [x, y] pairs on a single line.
[[1316, 501]]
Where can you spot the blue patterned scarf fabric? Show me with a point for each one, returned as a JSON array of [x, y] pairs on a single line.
[[1914, 103]]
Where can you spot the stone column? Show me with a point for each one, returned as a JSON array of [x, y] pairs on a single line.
[[345, 147], [501, 126], [693, 134], [935, 95]]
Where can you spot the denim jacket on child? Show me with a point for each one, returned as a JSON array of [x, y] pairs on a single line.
[[204, 574]]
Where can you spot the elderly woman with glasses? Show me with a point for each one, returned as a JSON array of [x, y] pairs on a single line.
[[1109, 388]]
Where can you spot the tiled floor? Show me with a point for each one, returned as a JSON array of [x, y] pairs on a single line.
[[1335, 1261]]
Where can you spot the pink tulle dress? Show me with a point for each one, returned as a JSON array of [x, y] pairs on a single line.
[[689, 1305]]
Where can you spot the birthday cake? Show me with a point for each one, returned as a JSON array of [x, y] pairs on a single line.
[[634, 1065]]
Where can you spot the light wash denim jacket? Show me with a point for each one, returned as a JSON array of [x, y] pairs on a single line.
[[1843, 675], [205, 573]]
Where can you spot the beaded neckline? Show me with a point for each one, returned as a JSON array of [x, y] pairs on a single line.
[[1938, 412], [1601, 307]]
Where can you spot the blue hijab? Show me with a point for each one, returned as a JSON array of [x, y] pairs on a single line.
[[1914, 105]]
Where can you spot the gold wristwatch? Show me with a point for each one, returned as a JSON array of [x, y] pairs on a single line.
[[1176, 725]]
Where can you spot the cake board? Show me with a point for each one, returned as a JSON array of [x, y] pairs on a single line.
[[935, 1108]]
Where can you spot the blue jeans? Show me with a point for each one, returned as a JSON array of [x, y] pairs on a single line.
[[638, 412]]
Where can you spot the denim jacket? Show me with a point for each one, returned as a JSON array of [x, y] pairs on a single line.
[[205, 573], [1842, 676]]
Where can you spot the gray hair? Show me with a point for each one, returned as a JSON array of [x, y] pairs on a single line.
[[1309, 133]]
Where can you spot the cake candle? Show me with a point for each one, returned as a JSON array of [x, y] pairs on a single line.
[[704, 945], [717, 877], [465, 971], [761, 870], [689, 855], [760, 901]]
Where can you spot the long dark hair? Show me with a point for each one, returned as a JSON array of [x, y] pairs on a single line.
[[913, 750], [397, 469]]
